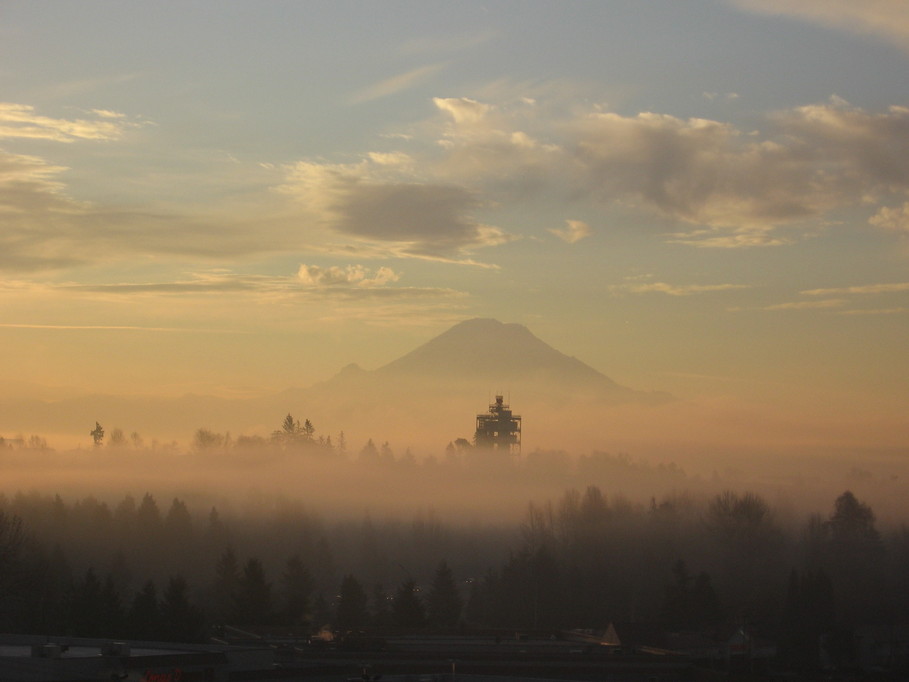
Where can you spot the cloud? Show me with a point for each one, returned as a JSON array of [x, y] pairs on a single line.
[[35, 214], [719, 185], [421, 220], [895, 219], [839, 302], [885, 288], [499, 148], [674, 289], [575, 231], [462, 109], [392, 159], [313, 275], [396, 84], [107, 327], [704, 172], [808, 305], [21, 121], [349, 282], [725, 238], [886, 19], [738, 186], [877, 311]]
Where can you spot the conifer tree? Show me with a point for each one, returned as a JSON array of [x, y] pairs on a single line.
[[444, 603]]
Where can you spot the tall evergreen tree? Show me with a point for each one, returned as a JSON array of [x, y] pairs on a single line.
[[444, 604], [352, 601], [381, 613], [180, 620], [144, 617], [253, 600], [297, 583], [224, 589], [408, 608]]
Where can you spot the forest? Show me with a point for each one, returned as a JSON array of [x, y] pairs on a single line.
[[143, 563]]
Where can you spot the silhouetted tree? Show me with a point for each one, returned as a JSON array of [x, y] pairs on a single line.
[[529, 590], [444, 603], [484, 601], [705, 605], [205, 440], [89, 608], [690, 602], [253, 600], [307, 430], [808, 614], [97, 434], [144, 616], [676, 602], [381, 613], [856, 561], [12, 545], [35, 600], [148, 517], [226, 585], [178, 525], [351, 611], [289, 426], [369, 454], [117, 438], [181, 621], [408, 609], [297, 583], [852, 524], [749, 544]]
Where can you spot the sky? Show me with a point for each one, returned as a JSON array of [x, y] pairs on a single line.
[[709, 197]]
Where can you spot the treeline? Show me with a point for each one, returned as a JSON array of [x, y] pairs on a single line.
[[581, 561]]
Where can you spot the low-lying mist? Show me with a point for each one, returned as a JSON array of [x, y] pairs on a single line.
[[459, 483], [587, 538]]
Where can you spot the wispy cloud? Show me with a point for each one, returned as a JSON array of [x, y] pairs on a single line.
[[109, 327], [808, 305], [720, 238], [886, 19], [575, 231], [357, 275], [885, 288], [833, 298], [22, 121], [876, 311], [674, 289], [352, 281], [396, 84]]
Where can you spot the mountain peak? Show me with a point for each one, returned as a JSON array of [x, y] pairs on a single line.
[[490, 352]]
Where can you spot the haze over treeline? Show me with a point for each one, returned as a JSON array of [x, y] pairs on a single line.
[[326, 472], [298, 529], [428, 397], [145, 565]]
